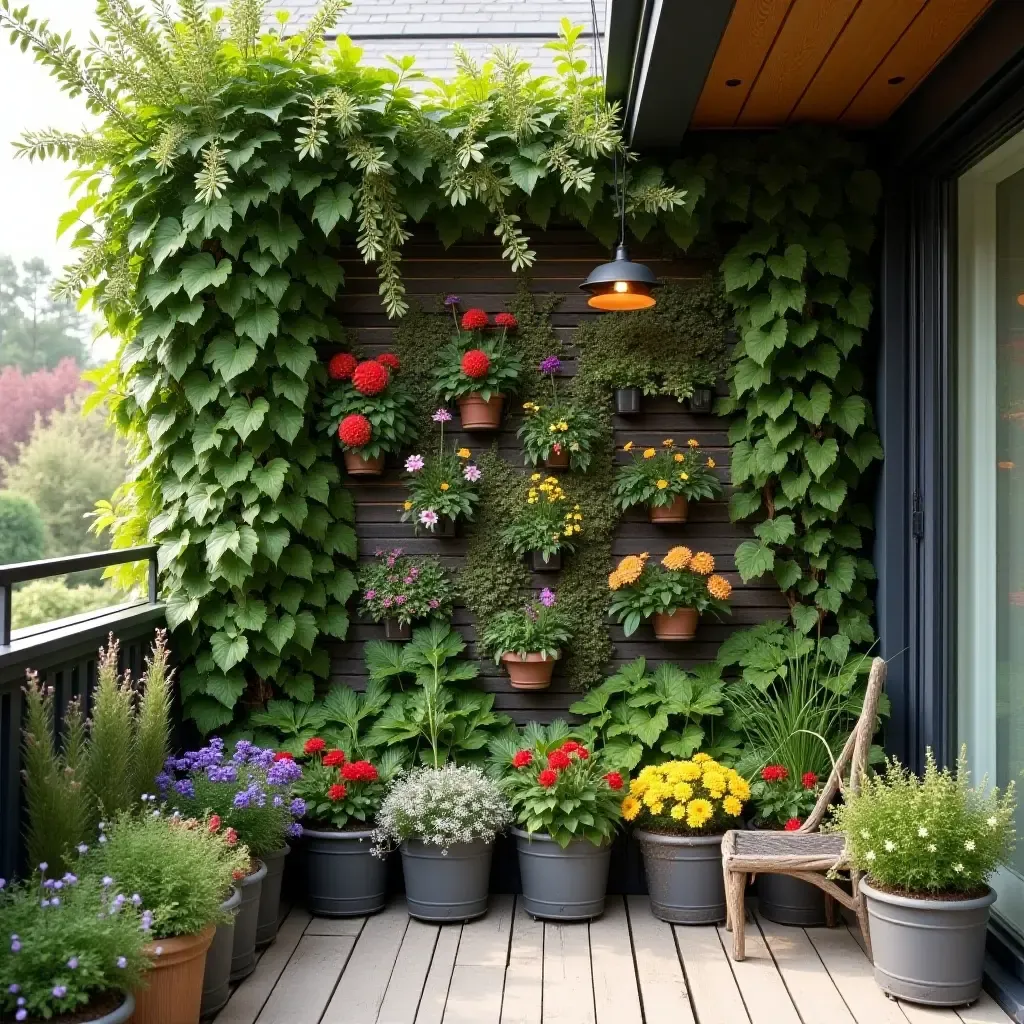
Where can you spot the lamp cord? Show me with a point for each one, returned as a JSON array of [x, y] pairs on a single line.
[[620, 199]]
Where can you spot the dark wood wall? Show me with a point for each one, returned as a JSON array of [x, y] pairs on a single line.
[[479, 275]]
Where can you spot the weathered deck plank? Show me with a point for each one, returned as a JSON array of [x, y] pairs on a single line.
[[709, 978], [485, 941], [616, 995], [402, 997], [336, 926], [524, 978], [985, 1011], [305, 987], [439, 978], [763, 990], [568, 981], [659, 971], [475, 995]]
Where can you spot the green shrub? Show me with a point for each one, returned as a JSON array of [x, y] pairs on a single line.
[[22, 534], [48, 600]]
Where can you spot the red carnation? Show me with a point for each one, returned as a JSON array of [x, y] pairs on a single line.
[[390, 360], [231, 837], [774, 773], [558, 759], [336, 792], [506, 320], [341, 366], [582, 753], [314, 746], [214, 822], [284, 755], [370, 377], [474, 320], [476, 363], [792, 825], [570, 746], [548, 778], [354, 431], [809, 780], [522, 758], [359, 771], [614, 780], [334, 758]]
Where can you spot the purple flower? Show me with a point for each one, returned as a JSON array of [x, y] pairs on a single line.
[[471, 473], [297, 807], [107, 882], [550, 365], [44, 903], [136, 900], [73, 963], [415, 463], [185, 788], [242, 750], [222, 773], [242, 798], [83, 849], [283, 773], [547, 597], [409, 580], [14, 989], [400, 599], [21, 1014], [442, 416], [42, 867], [433, 603], [369, 595], [295, 830], [428, 517], [278, 800], [3, 882], [451, 300], [59, 991], [70, 879], [147, 921], [387, 602], [122, 962], [377, 552], [163, 782]]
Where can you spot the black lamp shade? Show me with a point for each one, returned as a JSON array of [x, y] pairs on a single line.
[[621, 284]]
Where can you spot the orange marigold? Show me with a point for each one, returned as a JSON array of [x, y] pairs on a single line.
[[630, 568], [677, 558], [719, 587], [614, 580], [703, 563]]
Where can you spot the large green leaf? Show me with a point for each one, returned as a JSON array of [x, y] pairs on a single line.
[[200, 272], [258, 321]]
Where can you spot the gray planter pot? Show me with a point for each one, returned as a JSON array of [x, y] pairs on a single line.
[[553, 564], [120, 1015], [446, 884], [343, 879], [243, 949], [928, 951], [627, 401], [702, 401], [270, 897], [217, 975], [787, 900], [562, 885], [684, 877]]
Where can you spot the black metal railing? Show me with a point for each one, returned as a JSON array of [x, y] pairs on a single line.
[[64, 654]]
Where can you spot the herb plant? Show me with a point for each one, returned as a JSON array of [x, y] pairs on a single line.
[[657, 476], [473, 363], [641, 588], [930, 836], [399, 586], [544, 522], [539, 627], [558, 426]]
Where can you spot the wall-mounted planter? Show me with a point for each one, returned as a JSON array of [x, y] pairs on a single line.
[[627, 401], [356, 465], [530, 673], [476, 414], [539, 564], [557, 460], [702, 401], [447, 527], [397, 632], [674, 513], [679, 625]]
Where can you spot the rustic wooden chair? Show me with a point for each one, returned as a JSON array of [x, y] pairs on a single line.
[[806, 854]]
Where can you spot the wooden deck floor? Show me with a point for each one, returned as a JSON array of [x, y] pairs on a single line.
[[626, 968]]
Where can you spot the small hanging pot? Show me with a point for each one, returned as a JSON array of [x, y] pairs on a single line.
[[477, 414], [557, 460], [530, 673], [446, 527], [538, 563], [397, 632], [701, 401], [627, 401], [356, 465], [678, 625], [674, 513]]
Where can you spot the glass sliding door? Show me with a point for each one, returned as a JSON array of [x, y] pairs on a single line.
[[990, 557]]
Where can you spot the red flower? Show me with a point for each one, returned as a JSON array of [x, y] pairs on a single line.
[[214, 822], [231, 837], [390, 360], [548, 778], [774, 773], [341, 366], [809, 780], [336, 792], [314, 746], [359, 771], [474, 320], [792, 825], [475, 363], [370, 378], [506, 320], [238, 874], [522, 758], [355, 431], [583, 753], [334, 758], [570, 746], [558, 759], [614, 780], [284, 755]]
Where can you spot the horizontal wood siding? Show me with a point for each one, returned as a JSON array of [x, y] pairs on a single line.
[[477, 273]]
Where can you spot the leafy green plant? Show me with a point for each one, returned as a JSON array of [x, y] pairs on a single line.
[[657, 476], [48, 600], [539, 627], [558, 426], [21, 529], [637, 716], [543, 522], [473, 363], [341, 793], [402, 587], [930, 836]]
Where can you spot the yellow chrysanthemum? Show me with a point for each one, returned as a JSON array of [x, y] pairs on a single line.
[[701, 758], [699, 812], [719, 587], [703, 562], [630, 807], [693, 443], [682, 791], [551, 479], [715, 784], [668, 442], [463, 453], [535, 477], [445, 486], [689, 772], [739, 787], [651, 797], [679, 457], [657, 808], [638, 786], [661, 484], [732, 806], [407, 505], [649, 453], [677, 558], [710, 463], [630, 568], [678, 812], [628, 446]]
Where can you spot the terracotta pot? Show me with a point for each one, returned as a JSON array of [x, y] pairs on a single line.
[[174, 984], [557, 460], [397, 631], [356, 465], [530, 673], [680, 625], [674, 513], [476, 414]]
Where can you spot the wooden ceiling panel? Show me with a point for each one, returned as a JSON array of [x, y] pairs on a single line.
[[752, 29], [876, 26], [927, 40], [803, 42]]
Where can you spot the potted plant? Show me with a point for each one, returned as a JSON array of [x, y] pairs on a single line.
[[477, 371], [928, 847], [674, 593], [665, 479], [684, 807], [73, 948], [445, 820], [250, 792], [543, 525], [340, 799], [442, 488], [369, 409], [560, 434], [400, 590], [566, 806], [217, 972], [528, 641], [180, 867]]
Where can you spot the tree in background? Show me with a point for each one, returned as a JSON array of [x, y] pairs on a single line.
[[68, 464], [49, 600], [22, 534], [23, 397]]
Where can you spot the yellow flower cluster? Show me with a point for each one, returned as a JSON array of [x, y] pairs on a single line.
[[689, 792], [703, 562], [558, 428], [463, 453], [531, 407], [573, 522], [548, 487], [627, 571]]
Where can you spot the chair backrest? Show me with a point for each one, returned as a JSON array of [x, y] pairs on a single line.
[[856, 750]]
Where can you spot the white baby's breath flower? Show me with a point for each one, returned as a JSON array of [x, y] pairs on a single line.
[[958, 868], [992, 822], [889, 846], [932, 847], [865, 834], [923, 832], [870, 855], [969, 846]]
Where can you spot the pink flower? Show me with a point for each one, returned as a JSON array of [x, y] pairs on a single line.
[[472, 473], [547, 597], [428, 517], [442, 416], [414, 463], [369, 595], [433, 603]]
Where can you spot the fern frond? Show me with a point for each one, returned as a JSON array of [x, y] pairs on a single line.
[[50, 142], [344, 110]]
